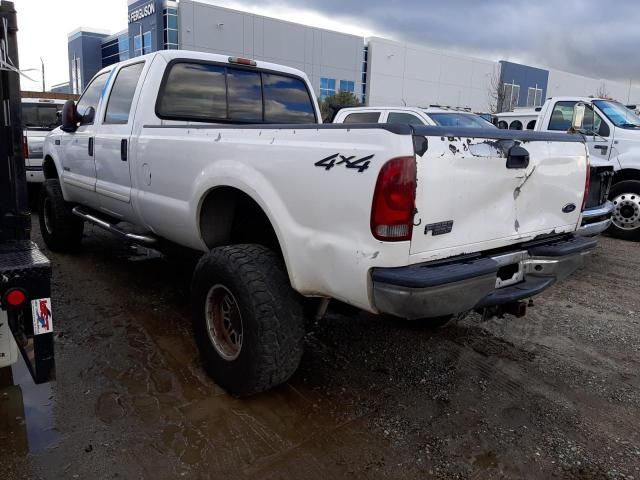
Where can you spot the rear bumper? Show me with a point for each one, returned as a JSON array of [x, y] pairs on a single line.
[[433, 289], [596, 220]]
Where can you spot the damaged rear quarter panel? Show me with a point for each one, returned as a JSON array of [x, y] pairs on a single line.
[[465, 180]]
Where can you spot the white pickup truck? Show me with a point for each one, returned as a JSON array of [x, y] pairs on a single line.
[[227, 156], [39, 117], [612, 135]]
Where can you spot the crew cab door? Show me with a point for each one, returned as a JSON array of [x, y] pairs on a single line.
[[113, 178], [78, 165], [599, 144]]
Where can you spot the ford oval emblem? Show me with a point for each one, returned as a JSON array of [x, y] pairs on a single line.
[[569, 207]]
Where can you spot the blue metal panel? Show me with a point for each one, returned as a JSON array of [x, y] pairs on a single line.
[[525, 76], [87, 47], [146, 16]]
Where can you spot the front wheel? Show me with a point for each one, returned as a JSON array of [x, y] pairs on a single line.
[[247, 320], [60, 228], [625, 196]]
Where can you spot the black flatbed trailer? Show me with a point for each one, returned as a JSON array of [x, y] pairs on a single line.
[[25, 272]]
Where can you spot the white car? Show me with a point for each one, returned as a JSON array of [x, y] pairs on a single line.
[[228, 156], [434, 116], [39, 117]]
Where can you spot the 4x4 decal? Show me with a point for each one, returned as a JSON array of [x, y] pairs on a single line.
[[329, 162]]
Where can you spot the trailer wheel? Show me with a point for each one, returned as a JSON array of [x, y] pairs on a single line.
[[247, 320], [625, 196], [60, 229]]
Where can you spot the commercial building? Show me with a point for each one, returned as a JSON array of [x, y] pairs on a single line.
[[377, 70]]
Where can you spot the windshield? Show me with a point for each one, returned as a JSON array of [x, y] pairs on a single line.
[[460, 120], [620, 115], [41, 116]]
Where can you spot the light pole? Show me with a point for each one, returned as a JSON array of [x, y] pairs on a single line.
[[42, 63]]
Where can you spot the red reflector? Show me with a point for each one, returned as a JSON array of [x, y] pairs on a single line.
[[394, 200], [15, 298], [242, 61]]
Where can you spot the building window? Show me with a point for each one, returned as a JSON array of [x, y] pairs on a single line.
[[511, 96], [76, 76], [347, 86], [110, 53], [146, 47], [327, 87], [141, 48], [365, 63], [123, 46], [137, 46], [170, 21], [534, 97]]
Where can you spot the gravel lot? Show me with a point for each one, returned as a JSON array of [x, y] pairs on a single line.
[[553, 394]]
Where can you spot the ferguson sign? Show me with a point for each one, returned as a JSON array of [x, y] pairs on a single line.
[[140, 13]]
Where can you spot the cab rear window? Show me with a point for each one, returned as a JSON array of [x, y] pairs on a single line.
[[216, 93], [41, 116]]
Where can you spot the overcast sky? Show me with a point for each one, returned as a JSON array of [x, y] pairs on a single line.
[[598, 39]]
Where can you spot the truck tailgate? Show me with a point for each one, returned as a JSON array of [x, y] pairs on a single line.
[[469, 200]]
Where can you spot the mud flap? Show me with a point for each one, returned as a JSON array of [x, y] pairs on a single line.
[[23, 266]]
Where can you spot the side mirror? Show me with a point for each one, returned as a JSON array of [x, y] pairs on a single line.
[[69, 118], [88, 115], [578, 117]]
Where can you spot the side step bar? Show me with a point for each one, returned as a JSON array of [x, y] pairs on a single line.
[[141, 239]]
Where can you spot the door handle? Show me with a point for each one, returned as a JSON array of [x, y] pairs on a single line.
[[90, 147], [517, 157], [123, 149], [603, 148]]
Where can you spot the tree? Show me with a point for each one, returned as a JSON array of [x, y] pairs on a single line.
[[331, 104], [497, 93]]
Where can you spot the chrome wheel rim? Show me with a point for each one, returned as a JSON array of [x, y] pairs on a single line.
[[46, 213], [224, 322], [626, 215]]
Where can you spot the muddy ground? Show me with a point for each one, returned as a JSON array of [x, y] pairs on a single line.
[[554, 394]]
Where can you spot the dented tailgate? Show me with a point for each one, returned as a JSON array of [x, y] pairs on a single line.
[[478, 192]]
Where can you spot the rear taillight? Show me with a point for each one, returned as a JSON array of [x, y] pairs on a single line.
[[394, 200], [25, 145], [15, 298], [587, 185]]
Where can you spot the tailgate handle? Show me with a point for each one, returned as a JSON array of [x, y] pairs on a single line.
[[517, 157]]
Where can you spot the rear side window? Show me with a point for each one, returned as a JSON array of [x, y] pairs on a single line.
[[286, 100], [122, 93], [217, 93], [405, 118], [362, 117], [194, 91]]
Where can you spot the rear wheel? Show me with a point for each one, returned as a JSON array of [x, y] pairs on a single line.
[[60, 228], [625, 196], [247, 320]]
